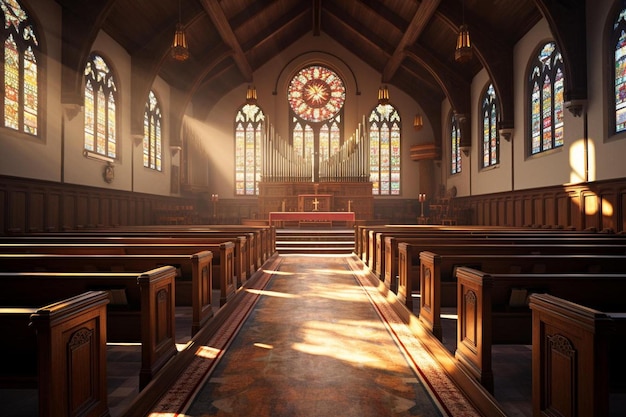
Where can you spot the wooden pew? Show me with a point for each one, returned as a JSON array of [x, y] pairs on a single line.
[[390, 266], [490, 312], [194, 272], [407, 279], [438, 283], [60, 349], [366, 235], [577, 356], [141, 306], [234, 261], [265, 236], [386, 247]]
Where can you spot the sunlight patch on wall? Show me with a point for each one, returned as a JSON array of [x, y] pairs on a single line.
[[579, 157]]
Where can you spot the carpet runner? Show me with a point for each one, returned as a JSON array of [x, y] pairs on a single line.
[[314, 337]]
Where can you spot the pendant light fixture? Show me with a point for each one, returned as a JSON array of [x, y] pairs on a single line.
[[251, 95], [463, 52], [180, 51], [383, 95]]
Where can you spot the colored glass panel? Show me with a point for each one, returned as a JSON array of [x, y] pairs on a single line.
[[324, 149], [101, 119], [620, 73], [20, 73], [249, 130], [31, 101], [11, 84], [316, 93], [152, 134], [385, 140], [490, 135], [455, 147], [546, 102]]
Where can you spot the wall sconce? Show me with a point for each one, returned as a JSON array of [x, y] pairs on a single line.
[[180, 51], [251, 95], [383, 95], [418, 122]]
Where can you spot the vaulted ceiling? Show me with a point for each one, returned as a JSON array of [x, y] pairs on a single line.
[[410, 42]]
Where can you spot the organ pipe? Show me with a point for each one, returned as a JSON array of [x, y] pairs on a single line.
[[283, 163]]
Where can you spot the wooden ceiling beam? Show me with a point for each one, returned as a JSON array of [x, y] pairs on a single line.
[[420, 19], [220, 21]]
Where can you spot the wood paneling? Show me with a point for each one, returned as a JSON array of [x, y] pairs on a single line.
[[597, 205]]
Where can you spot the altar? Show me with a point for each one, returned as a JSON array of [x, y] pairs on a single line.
[[278, 218]]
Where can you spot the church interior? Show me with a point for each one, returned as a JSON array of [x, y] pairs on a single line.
[[441, 177]]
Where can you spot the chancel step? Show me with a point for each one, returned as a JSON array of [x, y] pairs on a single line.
[[315, 240]]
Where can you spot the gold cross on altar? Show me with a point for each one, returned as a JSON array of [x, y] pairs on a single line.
[[316, 203]]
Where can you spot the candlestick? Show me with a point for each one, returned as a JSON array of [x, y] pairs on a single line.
[[421, 198]]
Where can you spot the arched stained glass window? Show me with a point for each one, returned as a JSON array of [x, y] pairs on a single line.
[[100, 108], [385, 128], [455, 146], [303, 139], [546, 82], [491, 144], [152, 134], [249, 133], [20, 70], [619, 67]]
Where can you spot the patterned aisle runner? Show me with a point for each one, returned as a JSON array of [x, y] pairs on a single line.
[[314, 338]]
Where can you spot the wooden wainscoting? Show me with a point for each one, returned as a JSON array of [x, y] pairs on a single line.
[[600, 205]]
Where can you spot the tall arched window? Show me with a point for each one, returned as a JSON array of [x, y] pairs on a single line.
[[152, 134], [316, 96], [385, 128], [100, 108], [618, 45], [249, 131], [546, 85], [491, 144], [455, 146], [20, 72]]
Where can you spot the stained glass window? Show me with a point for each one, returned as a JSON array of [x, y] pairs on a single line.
[[100, 108], [249, 132], [619, 66], [455, 146], [546, 99], [152, 134], [20, 70], [316, 93], [491, 144], [385, 128]]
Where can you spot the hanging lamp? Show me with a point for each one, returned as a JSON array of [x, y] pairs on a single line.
[[383, 95], [463, 51], [179, 50]]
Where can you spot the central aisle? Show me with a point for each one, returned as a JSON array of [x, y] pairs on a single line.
[[316, 339]]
